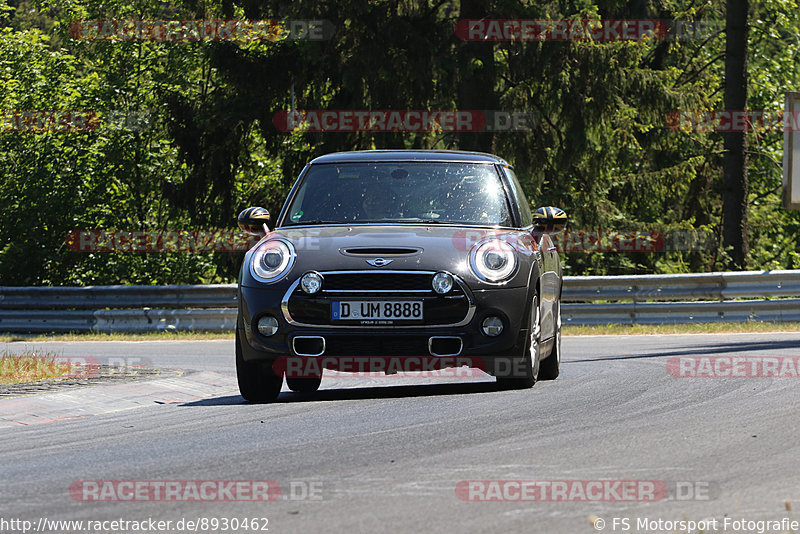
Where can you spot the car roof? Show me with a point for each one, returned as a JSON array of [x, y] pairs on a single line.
[[409, 155]]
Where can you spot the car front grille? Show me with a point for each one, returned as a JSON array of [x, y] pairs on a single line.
[[438, 310], [368, 282]]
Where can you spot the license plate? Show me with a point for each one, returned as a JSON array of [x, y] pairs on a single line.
[[358, 310]]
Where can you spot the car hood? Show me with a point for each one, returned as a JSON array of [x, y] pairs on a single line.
[[409, 247]]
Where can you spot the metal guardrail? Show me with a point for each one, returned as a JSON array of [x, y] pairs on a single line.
[[588, 300], [100, 297], [145, 320], [733, 311], [715, 286]]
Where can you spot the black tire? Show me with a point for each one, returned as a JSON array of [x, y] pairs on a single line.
[[551, 365], [529, 368], [258, 382], [304, 384]]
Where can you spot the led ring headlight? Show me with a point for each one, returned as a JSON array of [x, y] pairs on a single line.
[[493, 260], [272, 260]]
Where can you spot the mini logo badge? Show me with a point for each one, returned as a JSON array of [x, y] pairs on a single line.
[[379, 262]]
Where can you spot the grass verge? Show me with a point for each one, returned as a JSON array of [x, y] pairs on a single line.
[[31, 367]]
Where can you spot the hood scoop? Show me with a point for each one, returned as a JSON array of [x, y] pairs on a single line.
[[380, 251]]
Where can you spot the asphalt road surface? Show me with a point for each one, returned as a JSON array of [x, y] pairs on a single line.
[[404, 454]]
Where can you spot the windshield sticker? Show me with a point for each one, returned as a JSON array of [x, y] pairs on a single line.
[[296, 216]]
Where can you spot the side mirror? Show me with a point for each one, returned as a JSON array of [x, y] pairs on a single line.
[[254, 220], [549, 220]]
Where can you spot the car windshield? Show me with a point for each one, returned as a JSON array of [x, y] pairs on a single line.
[[446, 193]]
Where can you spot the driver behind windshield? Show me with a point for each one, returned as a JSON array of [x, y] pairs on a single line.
[[378, 202]]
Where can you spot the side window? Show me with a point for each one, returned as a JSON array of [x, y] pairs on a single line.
[[519, 198]]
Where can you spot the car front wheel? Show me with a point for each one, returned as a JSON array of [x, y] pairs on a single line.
[[258, 382], [552, 363], [304, 384], [525, 373]]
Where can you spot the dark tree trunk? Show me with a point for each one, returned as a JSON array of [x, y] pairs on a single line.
[[476, 77], [734, 164]]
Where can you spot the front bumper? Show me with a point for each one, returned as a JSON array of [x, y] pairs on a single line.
[[510, 304]]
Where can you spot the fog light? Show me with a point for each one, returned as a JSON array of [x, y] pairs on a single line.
[[311, 282], [492, 326], [442, 283], [267, 325]]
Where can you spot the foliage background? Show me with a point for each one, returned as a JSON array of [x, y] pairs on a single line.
[[205, 146]]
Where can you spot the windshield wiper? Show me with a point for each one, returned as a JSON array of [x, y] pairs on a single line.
[[409, 220], [418, 220], [316, 221]]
